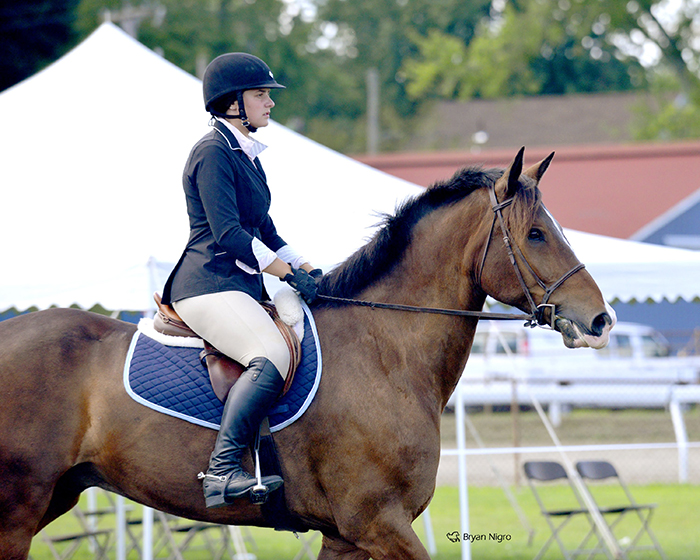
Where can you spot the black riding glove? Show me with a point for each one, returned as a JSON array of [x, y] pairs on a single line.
[[303, 283], [316, 274]]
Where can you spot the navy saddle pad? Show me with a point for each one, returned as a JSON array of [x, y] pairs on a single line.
[[172, 380]]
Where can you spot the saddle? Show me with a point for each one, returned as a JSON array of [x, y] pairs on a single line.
[[224, 371]]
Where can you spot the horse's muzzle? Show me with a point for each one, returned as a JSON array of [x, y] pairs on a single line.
[[595, 335]]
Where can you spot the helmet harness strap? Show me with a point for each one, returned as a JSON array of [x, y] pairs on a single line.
[[241, 113]]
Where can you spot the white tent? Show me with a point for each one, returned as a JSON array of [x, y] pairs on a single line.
[[93, 149], [629, 271]]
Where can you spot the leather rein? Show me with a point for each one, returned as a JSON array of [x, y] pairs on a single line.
[[537, 312]]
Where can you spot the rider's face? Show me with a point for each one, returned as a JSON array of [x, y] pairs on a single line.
[[258, 104]]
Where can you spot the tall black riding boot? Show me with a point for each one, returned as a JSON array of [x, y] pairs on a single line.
[[247, 404]]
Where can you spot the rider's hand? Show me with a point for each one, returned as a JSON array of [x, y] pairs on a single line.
[[316, 274], [303, 282]]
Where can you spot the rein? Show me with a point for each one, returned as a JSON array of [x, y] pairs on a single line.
[[434, 310], [536, 316], [536, 311]]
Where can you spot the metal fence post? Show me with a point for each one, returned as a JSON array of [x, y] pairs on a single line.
[[462, 469], [681, 438]]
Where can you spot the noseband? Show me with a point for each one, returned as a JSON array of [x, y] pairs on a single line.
[[536, 316], [537, 312]]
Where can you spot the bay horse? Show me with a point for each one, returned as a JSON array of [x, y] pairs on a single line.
[[361, 464]]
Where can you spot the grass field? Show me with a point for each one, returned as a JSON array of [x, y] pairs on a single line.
[[675, 521]]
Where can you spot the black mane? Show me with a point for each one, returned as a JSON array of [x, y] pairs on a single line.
[[386, 248]]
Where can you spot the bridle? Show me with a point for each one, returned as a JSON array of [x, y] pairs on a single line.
[[537, 312]]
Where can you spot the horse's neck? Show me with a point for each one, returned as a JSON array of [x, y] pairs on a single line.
[[432, 349], [435, 272]]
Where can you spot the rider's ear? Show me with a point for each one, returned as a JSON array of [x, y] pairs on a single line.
[[536, 171]]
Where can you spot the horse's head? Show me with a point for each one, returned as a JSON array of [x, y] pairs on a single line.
[[528, 263]]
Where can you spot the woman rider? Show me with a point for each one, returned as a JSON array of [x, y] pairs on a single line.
[[217, 283]]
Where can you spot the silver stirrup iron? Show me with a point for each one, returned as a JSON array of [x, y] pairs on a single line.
[[259, 492]]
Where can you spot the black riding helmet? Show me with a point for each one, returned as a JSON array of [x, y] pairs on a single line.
[[228, 76]]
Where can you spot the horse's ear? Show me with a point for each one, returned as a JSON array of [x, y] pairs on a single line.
[[512, 174], [536, 171]]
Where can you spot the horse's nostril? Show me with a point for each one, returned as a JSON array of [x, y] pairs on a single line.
[[599, 323]]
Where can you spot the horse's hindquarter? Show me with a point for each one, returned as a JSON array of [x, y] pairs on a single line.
[[49, 370], [67, 423]]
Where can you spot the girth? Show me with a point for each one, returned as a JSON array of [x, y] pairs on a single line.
[[224, 371]]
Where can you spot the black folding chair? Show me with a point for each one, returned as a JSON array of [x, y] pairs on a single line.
[[540, 476], [602, 470]]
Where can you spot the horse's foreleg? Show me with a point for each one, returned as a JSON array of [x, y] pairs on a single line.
[[18, 523], [339, 549], [390, 537], [22, 504], [381, 542], [403, 546], [16, 533], [14, 543], [21, 520]]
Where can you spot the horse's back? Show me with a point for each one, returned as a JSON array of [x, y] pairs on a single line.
[[57, 345]]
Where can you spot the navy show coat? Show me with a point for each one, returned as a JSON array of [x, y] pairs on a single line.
[[228, 200]]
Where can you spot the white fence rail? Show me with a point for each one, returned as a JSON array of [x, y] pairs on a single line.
[[603, 395]]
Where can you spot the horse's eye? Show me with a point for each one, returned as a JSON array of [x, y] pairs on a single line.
[[536, 235]]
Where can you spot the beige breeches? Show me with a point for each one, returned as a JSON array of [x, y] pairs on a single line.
[[236, 324]]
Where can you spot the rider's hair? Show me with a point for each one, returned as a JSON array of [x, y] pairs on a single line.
[[222, 104]]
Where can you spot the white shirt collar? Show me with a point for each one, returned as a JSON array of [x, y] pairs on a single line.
[[250, 146]]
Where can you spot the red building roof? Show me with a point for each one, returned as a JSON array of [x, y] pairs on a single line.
[[612, 190]]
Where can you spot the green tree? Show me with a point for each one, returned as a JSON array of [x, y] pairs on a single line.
[[668, 28], [381, 35], [192, 33], [665, 34], [670, 114], [33, 34], [529, 47]]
